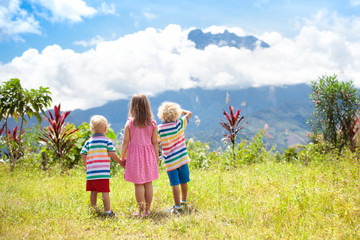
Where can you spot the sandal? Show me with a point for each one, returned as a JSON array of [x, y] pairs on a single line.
[[146, 213], [137, 214]]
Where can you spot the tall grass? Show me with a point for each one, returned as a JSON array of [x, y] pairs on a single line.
[[260, 201]]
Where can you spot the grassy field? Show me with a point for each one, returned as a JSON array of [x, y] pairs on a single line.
[[261, 201]]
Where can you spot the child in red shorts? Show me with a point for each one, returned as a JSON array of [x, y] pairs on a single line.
[[96, 155]]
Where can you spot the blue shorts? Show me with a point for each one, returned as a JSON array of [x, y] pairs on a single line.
[[179, 175]]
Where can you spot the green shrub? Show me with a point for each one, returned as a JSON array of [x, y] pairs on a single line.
[[290, 155], [254, 151], [198, 153], [336, 104], [247, 152]]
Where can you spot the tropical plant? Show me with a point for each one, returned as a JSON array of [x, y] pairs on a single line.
[[232, 126], [350, 130], [17, 103], [59, 135], [14, 138], [336, 105]]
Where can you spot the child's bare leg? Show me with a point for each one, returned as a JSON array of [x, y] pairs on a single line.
[[93, 198], [148, 195], [184, 190], [176, 194], [106, 201], [140, 196]]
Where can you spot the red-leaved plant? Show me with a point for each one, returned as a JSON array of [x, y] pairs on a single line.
[[14, 134], [232, 125], [14, 138], [58, 135], [351, 130]]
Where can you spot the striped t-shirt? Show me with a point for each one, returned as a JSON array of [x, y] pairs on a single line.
[[97, 150], [172, 138]]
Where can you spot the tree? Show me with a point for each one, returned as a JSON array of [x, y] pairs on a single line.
[[232, 126], [336, 106], [59, 135], [17, 103]]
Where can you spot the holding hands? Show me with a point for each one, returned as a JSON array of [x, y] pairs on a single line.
[[122, 162]]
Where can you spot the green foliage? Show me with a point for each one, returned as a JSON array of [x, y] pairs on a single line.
[[315, 153], [31, 147], [248, 152], [17, 102], [114, 166], [336, 105], [254, 151], [111, 134], [80, 137], [198, 153], [290, 154]]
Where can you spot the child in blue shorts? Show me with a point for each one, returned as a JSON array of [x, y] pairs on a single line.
[[176, 159]]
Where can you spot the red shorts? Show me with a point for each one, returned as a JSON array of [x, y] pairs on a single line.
[[98, 185]]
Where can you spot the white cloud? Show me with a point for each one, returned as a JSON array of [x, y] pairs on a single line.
[[93, 42], [152, 61], [67, 10], [348, 27], [220, 29], [15, 21], [355, 3], [107, 9], [150, 16], [260, 3]]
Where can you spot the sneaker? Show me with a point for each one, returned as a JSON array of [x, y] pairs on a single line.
[[175, 209], [110, 214], [183, 203]]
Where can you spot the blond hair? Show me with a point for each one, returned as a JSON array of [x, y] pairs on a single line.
[[140, 110], [97, 123], [169, 111]]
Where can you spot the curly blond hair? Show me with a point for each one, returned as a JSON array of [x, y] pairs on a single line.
[[98, 122], [169, 111]]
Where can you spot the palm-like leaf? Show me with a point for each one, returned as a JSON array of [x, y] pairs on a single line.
[[232, 126], [58, 135]]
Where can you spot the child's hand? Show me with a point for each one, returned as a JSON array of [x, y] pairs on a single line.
[[123, 162]]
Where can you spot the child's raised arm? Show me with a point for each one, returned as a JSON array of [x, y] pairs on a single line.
[[187, 113]]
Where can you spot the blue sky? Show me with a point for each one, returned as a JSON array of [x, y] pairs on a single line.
[[112, 19], [113, 49]]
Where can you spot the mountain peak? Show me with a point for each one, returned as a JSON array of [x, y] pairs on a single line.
[[226, 38]]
